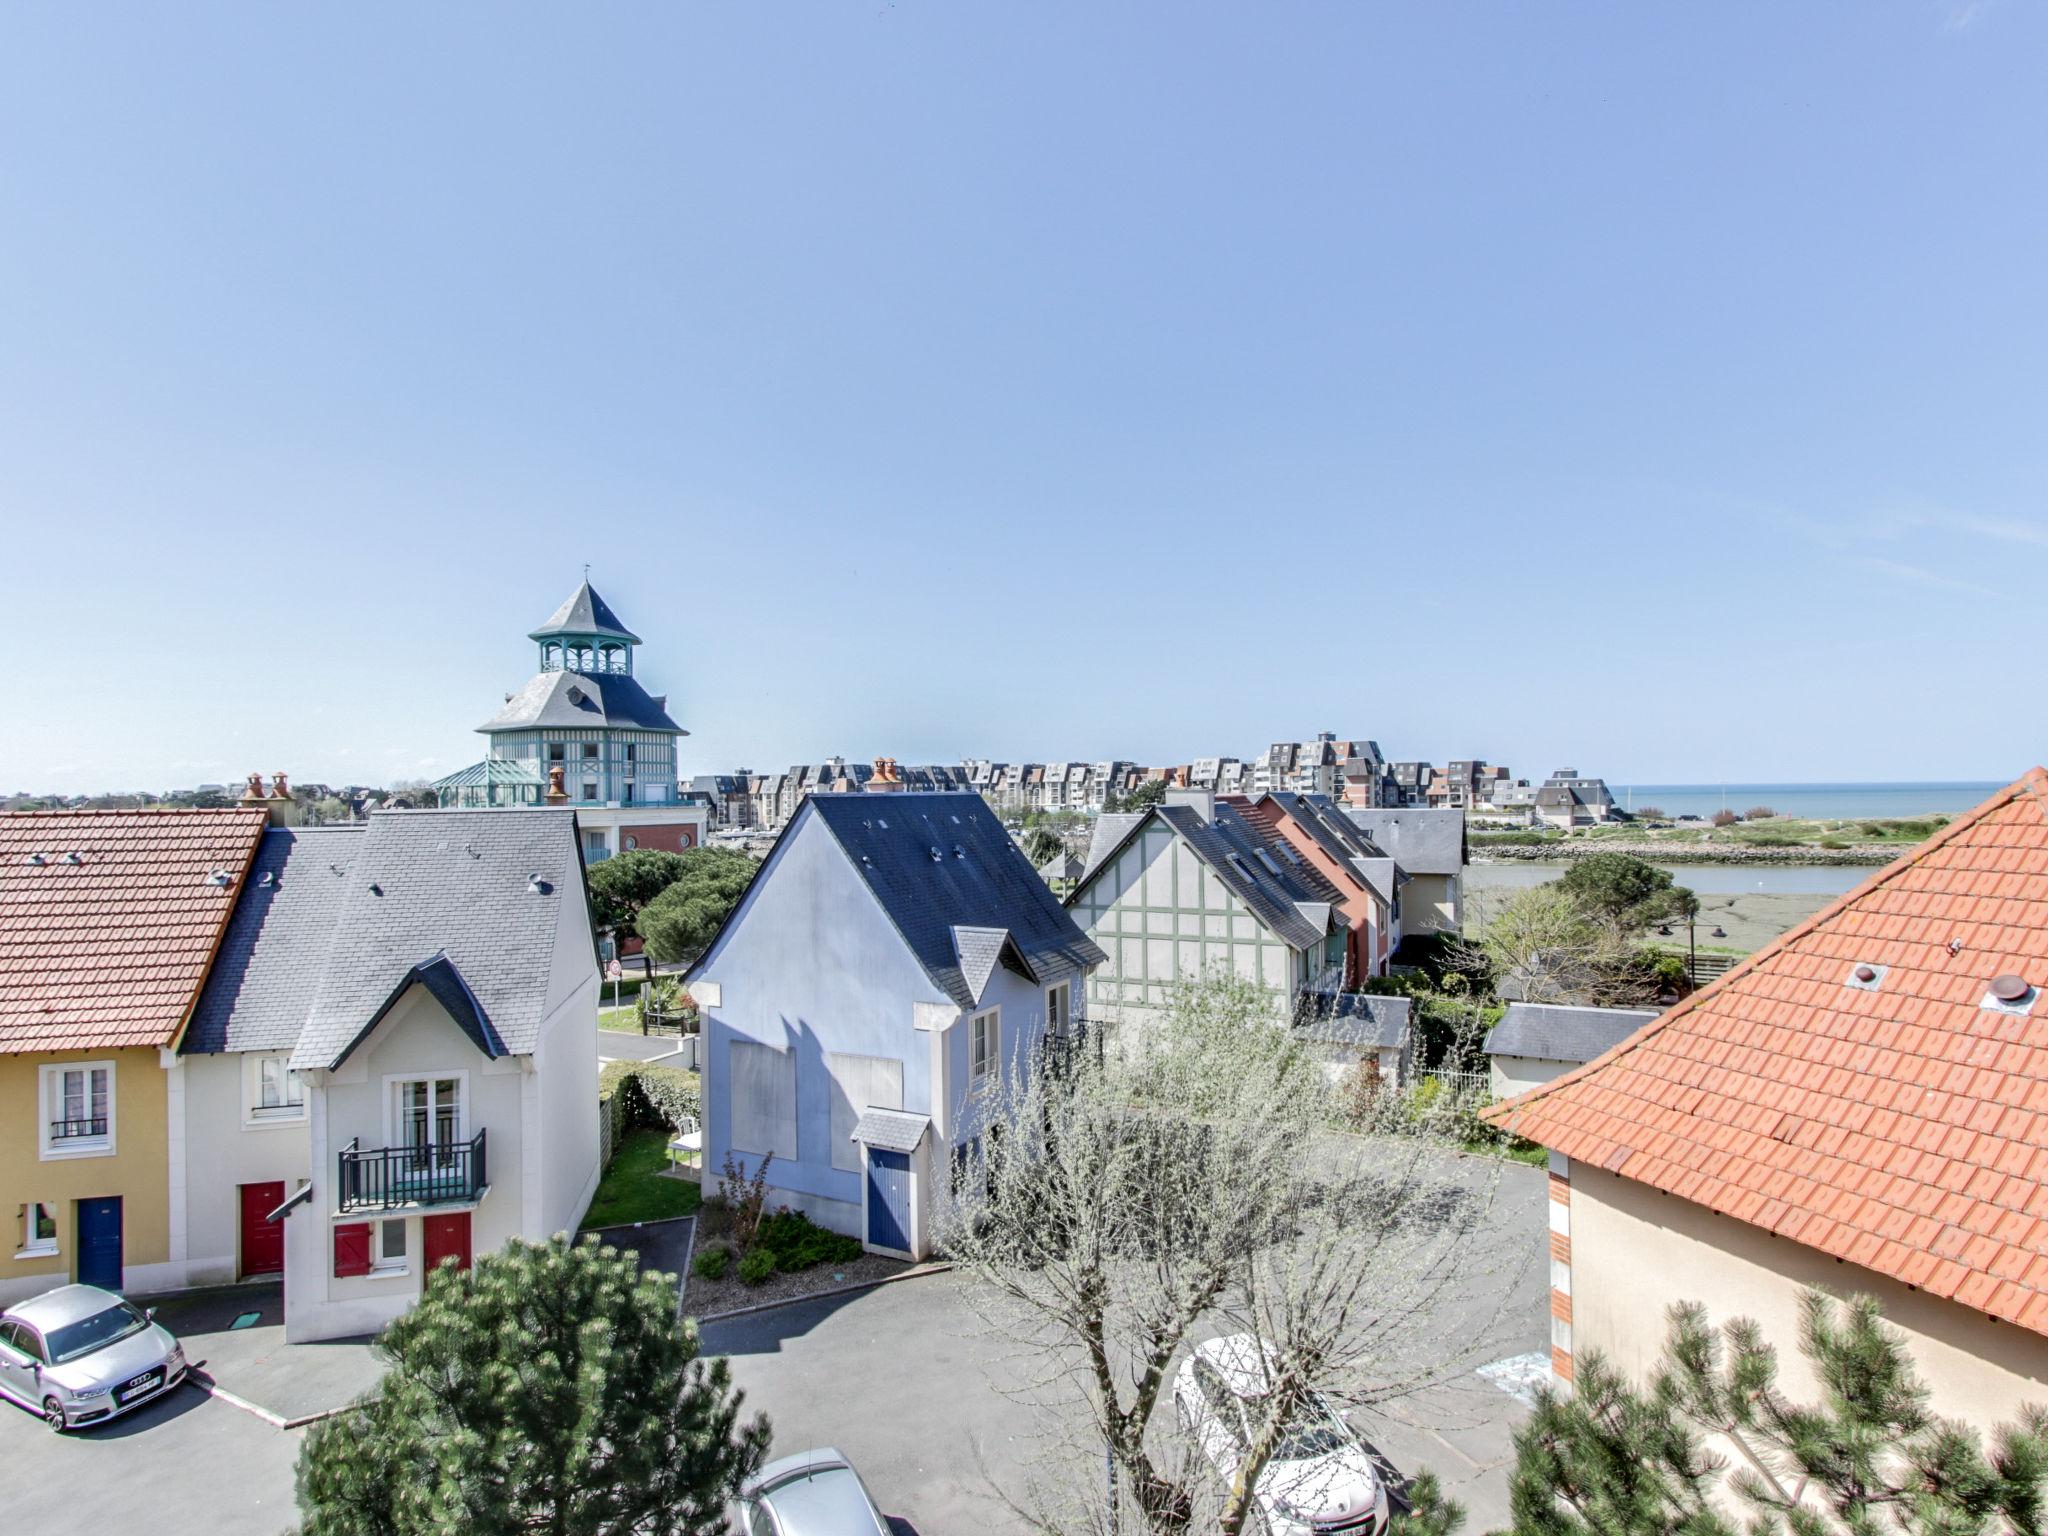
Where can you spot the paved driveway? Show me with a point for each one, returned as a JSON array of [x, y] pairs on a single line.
[[907, 1382]]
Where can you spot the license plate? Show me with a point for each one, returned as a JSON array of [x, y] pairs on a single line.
[[140, 1385]]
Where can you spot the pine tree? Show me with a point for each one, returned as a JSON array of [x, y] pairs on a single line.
[[1870, 1459], [553, 1388]]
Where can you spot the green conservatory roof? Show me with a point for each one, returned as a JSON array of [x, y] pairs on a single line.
[[490, 773]]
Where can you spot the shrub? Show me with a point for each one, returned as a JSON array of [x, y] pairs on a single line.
[[712, 1262], [757, 1266], [1725, 818], [1758, 813], [796, 1242], [746, 1196], [651, 1096], [1832, 842]]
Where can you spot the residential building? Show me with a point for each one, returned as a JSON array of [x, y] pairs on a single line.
[[1316, 830], [1536, 1042], [893, 959], [1858, 1107], [399, 1044], [1356, 1031], [1192, 886], [584, 732], [1429, 845], [108, 923], [1408, 784], [730, 797], [1569, 799]]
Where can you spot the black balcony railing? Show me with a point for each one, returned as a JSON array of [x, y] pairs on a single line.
[[435, 1173], [78, 1130]]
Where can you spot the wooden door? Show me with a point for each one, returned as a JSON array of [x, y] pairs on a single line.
[[445, 1237], [262, 1239]]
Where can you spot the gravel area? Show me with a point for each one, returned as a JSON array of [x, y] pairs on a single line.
[[708, 1298]]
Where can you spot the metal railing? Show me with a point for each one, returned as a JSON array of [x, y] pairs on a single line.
[[432, 1173], [77, 1130]]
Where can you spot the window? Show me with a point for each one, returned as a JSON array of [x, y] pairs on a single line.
[[1058, 1010], [387, 1246], [78, 1110], [590, 751], [427, 1112], [556, 752], [590, 789], [632, 842], [38, 1231], [626, 794], [631, 751], [984, 1046], [274, 1089]]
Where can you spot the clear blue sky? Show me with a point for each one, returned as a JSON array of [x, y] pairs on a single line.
[[1657, 389]]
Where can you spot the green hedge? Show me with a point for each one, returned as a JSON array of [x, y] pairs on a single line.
[[649, 1095]]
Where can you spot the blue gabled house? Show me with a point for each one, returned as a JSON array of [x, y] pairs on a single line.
[[895, 956]]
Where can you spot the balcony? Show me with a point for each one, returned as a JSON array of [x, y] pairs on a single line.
[[400, 1178], [93, 1128]]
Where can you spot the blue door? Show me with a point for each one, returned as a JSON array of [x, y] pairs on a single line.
[[99, 1243], [889, 1199]]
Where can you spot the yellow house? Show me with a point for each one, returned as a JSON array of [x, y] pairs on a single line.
[[109, 921]]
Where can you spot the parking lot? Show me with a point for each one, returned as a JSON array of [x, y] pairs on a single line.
[[904, 1378]]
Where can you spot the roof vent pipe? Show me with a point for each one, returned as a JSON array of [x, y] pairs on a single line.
[[2009, 988]]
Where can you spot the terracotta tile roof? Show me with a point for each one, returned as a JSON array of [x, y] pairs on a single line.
[[110, 950], [1901, 1126]]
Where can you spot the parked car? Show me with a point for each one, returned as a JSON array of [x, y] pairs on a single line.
[[813, 1493], [79, 1355], [1320, 1480]]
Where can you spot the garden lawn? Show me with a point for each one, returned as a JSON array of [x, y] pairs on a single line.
[[637, 1188]]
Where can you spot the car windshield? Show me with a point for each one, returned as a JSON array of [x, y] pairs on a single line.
[[1317, 1434], [95, 1332]]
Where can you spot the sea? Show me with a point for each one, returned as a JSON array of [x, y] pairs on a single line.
[[1811, 800]]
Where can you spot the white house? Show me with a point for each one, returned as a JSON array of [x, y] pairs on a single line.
[[894, 957], [1536, 1042], [1192, 885], [396, 1054]]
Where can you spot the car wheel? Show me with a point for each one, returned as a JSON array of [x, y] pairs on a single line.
[[53, 1414]]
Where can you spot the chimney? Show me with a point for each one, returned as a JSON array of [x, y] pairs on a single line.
[[556, 794], [253, 795], [1203, 801], [281, 808]]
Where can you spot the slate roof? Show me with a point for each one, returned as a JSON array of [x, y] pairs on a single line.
[[581, 701], [271, 962], [585, 613], [1359, 1019], [450, 885], [1899, 1124], [112, 950], [1554, 1032], [1230, 846], [979, 880], [1111, 828], [890, 1130], [1422, 840]]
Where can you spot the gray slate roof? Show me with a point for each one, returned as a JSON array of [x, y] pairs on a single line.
[[1359, 1019], [1230, 846], [1111, 828], [979, 880], [1422, 840], [271, 960], [584, 614], [581, 701], [1553, 1032], [451, 885], [891, 1130]]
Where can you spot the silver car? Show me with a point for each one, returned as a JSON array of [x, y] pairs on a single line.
[[814, 1493], [80, 1355]]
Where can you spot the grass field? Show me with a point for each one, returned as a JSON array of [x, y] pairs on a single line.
[[637, 1187]]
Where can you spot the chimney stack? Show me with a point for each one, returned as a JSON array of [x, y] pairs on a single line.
[[1201, 801], [557, 795], [278, 804]]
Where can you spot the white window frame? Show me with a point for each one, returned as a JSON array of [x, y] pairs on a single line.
[[254, 1112], [981, 1066], [31, 1246], [394, 1122], [51, 1100], [385, 1266]]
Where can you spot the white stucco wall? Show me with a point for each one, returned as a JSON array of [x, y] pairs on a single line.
[[224, 1150], [1635, 1251], [417, 1039], [1510, 1075], [1429, 904]]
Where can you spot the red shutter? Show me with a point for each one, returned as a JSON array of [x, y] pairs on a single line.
[[352, 1249]]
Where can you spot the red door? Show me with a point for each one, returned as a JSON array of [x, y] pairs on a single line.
[[446, 1237], [262, 1240]]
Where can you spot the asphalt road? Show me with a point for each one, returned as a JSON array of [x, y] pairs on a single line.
[[616, 1045]]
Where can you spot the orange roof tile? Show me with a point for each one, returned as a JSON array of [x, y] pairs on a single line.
[[1903, 1128], [110, 919]]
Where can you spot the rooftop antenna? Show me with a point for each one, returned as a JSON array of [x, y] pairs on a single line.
[[586, 570]]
